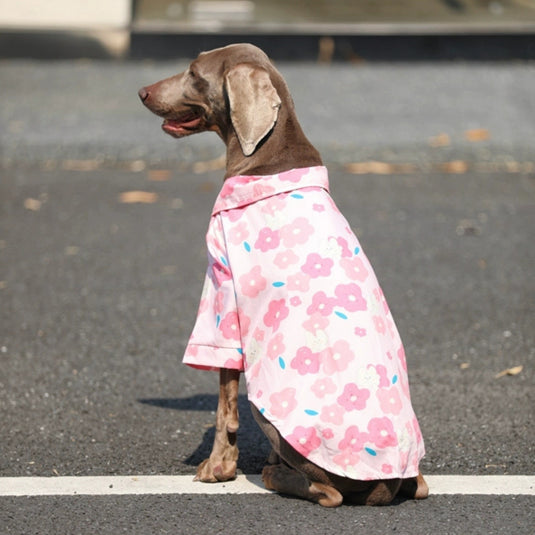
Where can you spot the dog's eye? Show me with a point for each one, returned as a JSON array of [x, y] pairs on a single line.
[[192, 74]]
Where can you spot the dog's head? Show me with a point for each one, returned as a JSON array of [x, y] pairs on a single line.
[[228, 90]]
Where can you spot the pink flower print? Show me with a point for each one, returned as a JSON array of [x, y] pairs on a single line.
[[297, 232], [276, 347], [323, 387], [228, 187], [221, 271], [262, 190], [258, 335], [230, 326], [304, 440], [267, 239], [353, 398], [192, 351], [295, 175], [383, 375], [234, 215], [316, 266], [382, 432], [402, 358], [203, 306], [274, 204], [252, 283], [285, 259], [315, 323], [359, 331], [337, 358], [234, 364], [387, 468], [305, 361], [321, 304], [354, 268], [327, 434], [238, 233], [379, 323], [295, 301], [350, 297], [318, 207], [227, 190], [298, 282], [333, 414], [346, 251], [417, 431], [277, 311], [283, 403], [389, 400], [353, 440], [346, 458]]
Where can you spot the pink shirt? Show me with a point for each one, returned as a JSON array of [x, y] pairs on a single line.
[[291, 299]]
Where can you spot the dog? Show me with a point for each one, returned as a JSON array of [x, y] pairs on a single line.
[[290, 299]]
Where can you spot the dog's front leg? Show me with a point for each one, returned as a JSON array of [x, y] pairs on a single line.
[[222, 463]]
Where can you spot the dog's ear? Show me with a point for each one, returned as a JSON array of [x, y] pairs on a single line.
[[254, 104]]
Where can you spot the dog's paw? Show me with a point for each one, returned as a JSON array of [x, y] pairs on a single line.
[[278, 476], [210, 471]]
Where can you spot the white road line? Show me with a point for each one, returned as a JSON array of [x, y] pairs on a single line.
[[244, 484]]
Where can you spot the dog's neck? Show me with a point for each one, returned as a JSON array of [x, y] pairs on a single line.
[[275, 153]]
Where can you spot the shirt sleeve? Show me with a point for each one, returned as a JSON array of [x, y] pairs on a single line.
[[216, 340]]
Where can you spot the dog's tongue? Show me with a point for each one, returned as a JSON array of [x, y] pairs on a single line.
[[181, 126], [188, 120]]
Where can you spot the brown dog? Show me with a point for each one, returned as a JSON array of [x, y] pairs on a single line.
[[236, 92]]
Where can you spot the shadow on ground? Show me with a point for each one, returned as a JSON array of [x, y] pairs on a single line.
[[253, 445]]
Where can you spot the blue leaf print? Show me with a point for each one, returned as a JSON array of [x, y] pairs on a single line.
[[357, 250], [239, 350], [262, 410], [310, 412], [340, 315], [224, 260], [278, 284], [297, 196], [282, 364], [217, 320], [247, 247], [394, 379], [371, 452]]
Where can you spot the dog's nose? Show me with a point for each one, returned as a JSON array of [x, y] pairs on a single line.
[[143, 94]]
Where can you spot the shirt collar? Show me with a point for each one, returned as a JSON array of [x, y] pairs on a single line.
[[242, 190]]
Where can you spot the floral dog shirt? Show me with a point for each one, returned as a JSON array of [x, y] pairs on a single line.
[[290, 299]]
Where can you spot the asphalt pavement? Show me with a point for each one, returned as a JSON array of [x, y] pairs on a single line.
[[98, 294]]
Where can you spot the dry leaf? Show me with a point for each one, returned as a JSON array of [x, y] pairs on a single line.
[[509, 371], [71, 250], [371, 167], [465, 365], [210, 165], [136, 166], [454, 167], [81, 165], [145, 197], [159, 175], [477, 134], [32, 204], [442, 140], [326, 50], [206, 187], [3, 285]]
